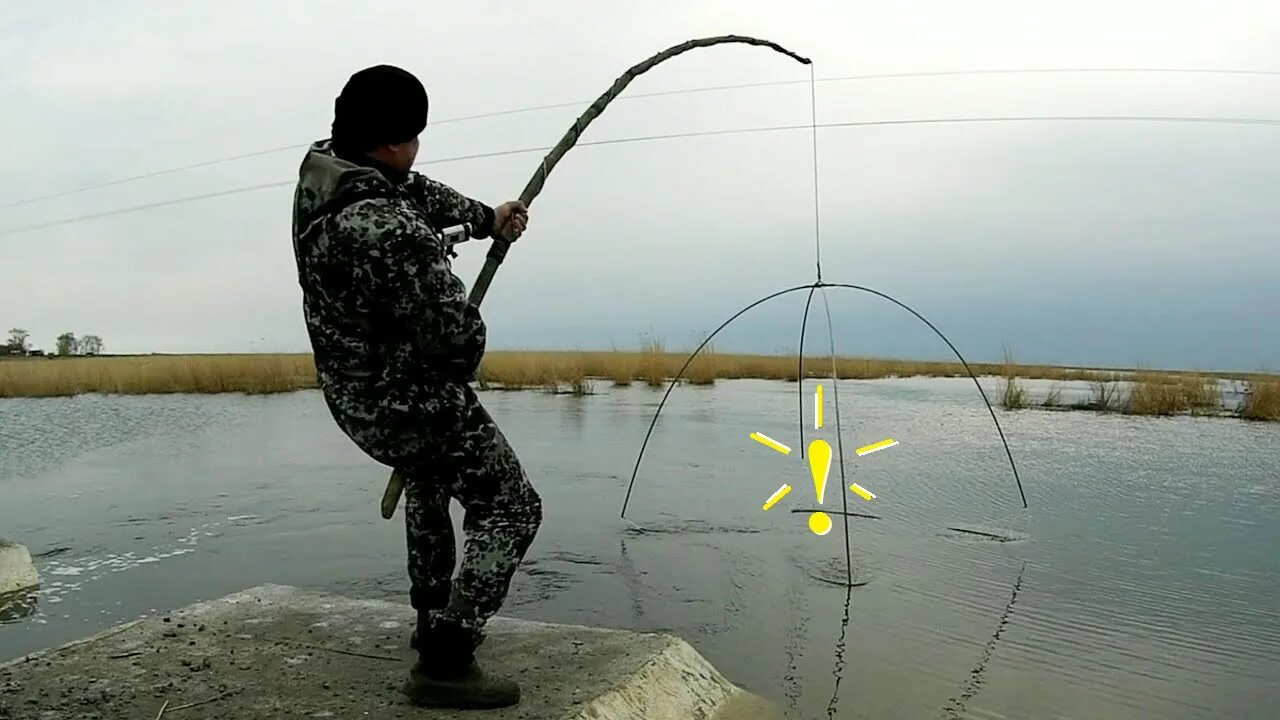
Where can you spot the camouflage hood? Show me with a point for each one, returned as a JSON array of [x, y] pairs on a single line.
[[382, 305], [324, 180]]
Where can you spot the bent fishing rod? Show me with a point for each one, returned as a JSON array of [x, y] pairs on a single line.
[[499, 246]]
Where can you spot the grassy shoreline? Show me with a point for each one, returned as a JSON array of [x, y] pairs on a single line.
[[1128, 390]]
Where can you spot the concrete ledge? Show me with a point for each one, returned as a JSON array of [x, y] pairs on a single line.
[[275, 651], [17, 571]]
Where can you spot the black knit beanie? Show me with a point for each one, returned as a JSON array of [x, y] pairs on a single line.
[[379, 105]]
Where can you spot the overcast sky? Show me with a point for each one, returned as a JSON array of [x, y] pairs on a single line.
[[1096, 243]]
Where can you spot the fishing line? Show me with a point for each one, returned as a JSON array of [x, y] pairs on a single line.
[[835, 392], [800, 374], [813, 122], [637, 96], [673, 136]]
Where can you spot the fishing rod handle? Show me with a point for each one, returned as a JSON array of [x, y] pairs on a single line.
[[497, 253]]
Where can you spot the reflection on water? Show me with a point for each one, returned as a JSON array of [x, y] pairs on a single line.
[[18, 605], [989, 534], [957, 706], [838, 666], [1141, 583]]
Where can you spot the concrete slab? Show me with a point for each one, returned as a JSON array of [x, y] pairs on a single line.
[[275, 651], [17, 572]]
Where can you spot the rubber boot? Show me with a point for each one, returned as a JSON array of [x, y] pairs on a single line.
[[463, 686], [424, 601], [447, 675], [415, 637]]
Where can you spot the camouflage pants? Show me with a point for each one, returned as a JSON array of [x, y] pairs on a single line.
[[452, 450]]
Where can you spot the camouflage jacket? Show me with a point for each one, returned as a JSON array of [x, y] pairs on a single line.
[[383, 308]]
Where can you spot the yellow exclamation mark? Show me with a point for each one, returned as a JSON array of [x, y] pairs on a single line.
[[819, 467]]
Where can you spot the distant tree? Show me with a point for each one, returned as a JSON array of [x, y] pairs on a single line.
[[18, 339], [67, 344], [90, 345]]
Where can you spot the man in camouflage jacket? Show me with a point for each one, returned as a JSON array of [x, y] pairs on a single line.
[[396, 343]]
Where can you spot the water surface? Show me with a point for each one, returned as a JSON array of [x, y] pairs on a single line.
[[1141, 583]]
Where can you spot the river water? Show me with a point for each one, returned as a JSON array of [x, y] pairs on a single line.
[[1142, 582]]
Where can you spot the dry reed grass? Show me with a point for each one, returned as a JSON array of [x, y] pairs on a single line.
[[1154, 393], [1263, 401], [1108, 396], [652, 366], [522, 373], [157, 374], [704, 367], [1160, 394], [1013, 395], [582, 386], [624, 370], [1053, 398]]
